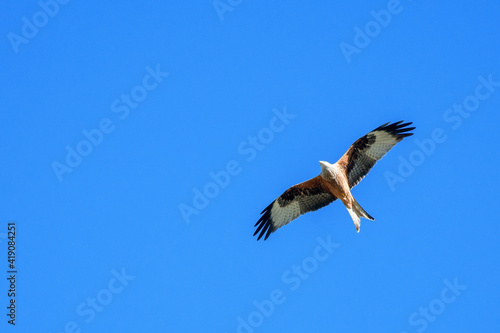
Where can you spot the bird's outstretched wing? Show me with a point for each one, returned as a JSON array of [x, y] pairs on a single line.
[[297, 200], [367, 150]]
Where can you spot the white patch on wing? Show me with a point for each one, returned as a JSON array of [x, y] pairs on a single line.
[[383, 143], [369, 155], [283, 215]]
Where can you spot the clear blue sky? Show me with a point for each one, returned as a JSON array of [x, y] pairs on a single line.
[[115, 117]]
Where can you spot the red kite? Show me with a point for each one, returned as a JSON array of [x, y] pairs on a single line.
[[335, 181]]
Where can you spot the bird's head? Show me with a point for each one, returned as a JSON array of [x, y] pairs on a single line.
[[324, 167], [324, 164]]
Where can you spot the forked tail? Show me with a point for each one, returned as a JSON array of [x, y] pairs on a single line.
[[356, 212]]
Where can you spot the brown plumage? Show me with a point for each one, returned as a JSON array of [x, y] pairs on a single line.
[[334, 182]]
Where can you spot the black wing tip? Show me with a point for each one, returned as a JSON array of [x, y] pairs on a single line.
[[265, 223], [399, 129]]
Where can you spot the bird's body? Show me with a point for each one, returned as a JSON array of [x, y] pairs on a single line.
[[334, 182], [334, 176]]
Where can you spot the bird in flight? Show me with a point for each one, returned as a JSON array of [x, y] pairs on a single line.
[[334, 182]]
